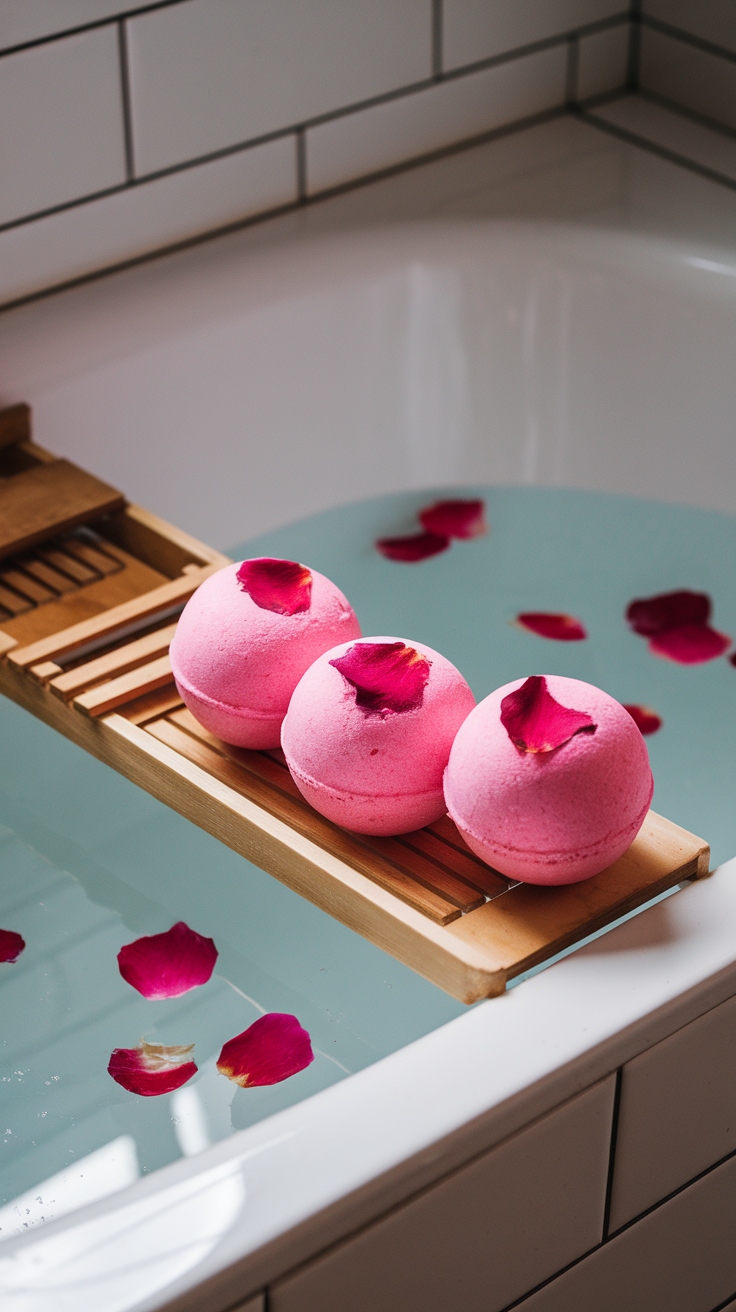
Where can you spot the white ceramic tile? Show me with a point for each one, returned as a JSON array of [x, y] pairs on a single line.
[[690, 77], [481, 1238], [603, 60], [27, 20], [142, 218], [61, 129], [713, 20], [677, 1112], [665, 127], [210, 73], [373, 139], [680, 1258], [477, 29]]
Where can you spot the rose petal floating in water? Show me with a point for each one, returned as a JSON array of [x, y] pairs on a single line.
[[283, 586], [676, 624], [387, 676], [11, 945], [167, 965], [535, 722], [563, 628], [645, 719], [152, 1069], [455, 519], [270, 1050], [419, 546]]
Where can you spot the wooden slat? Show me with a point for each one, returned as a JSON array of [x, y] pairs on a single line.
[[307, 822], [152, 706], [112, 664], [6, 643], [12, 602], [258, 763], [28, 587], [447, 830], [45, 573], [473, 871], [136, 683], [45, 671], [101, 562], [57, 645], [160, 544], [47, 499], [15, 424], [69, 564]]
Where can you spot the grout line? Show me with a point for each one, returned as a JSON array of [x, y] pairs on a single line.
[[668, 1197], [239, 225], [685, 112], [672, 156], [301, 166], [726, 1303], [612, 1154], [572, 70], [437, 42], [633, 60], [125, 96], [86, 27], [688, 38]]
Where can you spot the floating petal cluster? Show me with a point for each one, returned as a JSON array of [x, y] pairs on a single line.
[[283, 586], [387, 676], [272, 1049], [563, 628], [676, 624], [441, 522], [167, 965], [11, 945], [535, 722], [645, 719], [152, 1069]]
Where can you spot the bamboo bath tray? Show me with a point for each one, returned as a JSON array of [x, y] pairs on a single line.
[[90, 587]]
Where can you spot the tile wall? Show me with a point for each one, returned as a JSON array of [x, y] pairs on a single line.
[[126, 132], [688, 56]]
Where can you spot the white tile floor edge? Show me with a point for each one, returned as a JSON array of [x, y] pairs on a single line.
[[328, 1165]]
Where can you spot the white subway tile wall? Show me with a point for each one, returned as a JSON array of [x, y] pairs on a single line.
[[449, 111], [479, 29], [603, 62], [337, 89], [61, 123], [694, 78], [711, 20]]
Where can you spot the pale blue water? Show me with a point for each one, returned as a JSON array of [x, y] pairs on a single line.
[[89, 862]]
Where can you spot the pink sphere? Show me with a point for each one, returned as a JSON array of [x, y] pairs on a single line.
[[550, 816], [237, 660], [368, 734]]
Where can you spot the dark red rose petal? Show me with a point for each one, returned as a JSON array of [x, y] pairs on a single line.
[[270, 1050], [283, 586], [419, 546], [387, 676], [669, 610], [690, 644], [732, 659], [535, 722], [167, 965], [645, 719], [455, 519], [563, 628], [11, 945], [151, 1069]]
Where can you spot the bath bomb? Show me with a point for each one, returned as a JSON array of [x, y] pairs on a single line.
[[245, 639], [368, 733], [549, 780]]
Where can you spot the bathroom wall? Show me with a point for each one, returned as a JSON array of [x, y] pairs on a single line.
[[688, 56], [126, 132]]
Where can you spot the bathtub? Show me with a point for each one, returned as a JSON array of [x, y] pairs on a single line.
[[262, 379]]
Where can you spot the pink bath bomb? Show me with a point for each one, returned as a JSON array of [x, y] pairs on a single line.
[[245, 639], [368, 734], [549, 780]]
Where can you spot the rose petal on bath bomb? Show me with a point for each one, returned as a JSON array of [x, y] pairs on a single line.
[[563, 628], [274, 1047], [283, 586], [649, 616], [418, 546], [690, 644], [455, 519], [167, 965], [535, 722], [645, 719], [11, 945], [152, 1069], [387, 676]]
